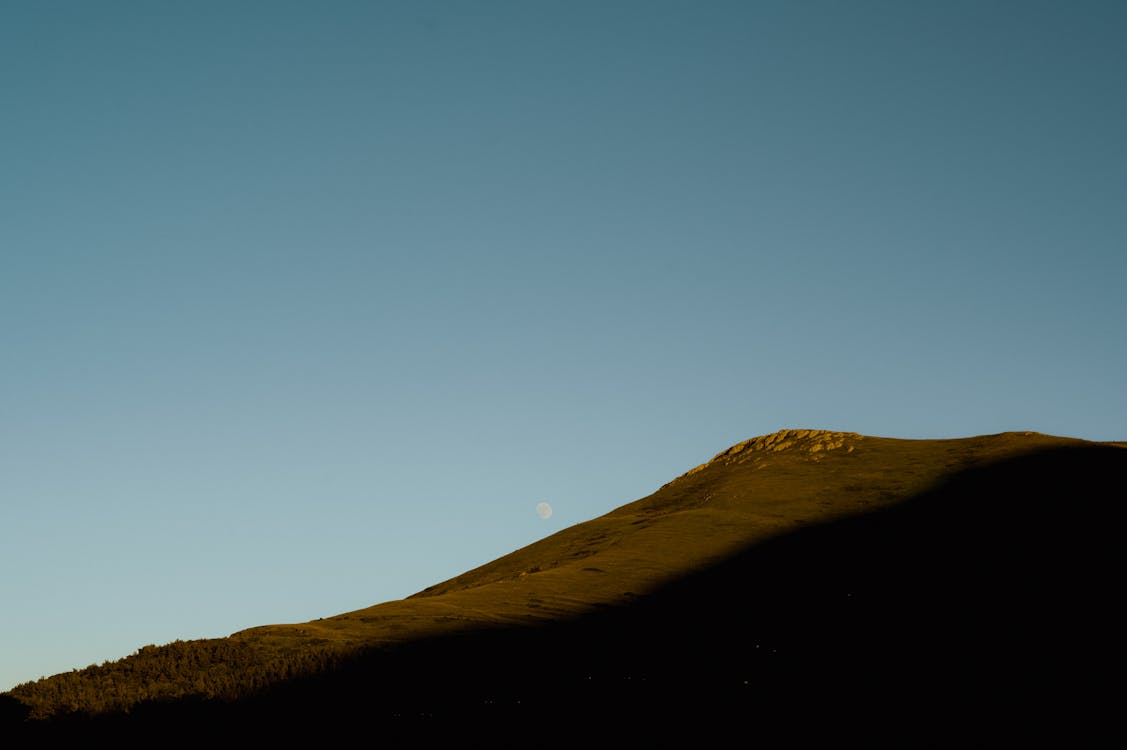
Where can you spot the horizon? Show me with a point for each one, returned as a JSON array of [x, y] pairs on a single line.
[[311, 308]]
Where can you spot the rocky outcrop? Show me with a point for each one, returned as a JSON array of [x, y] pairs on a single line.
[[811, 444]]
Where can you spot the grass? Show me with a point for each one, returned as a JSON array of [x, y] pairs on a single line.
[[795, 575]]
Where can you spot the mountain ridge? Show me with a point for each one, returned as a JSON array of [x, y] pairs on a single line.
[[753, 496]]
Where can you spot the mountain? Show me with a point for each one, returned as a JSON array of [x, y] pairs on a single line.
[[804, 584]]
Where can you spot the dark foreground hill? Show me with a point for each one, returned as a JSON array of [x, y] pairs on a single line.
[[800, 585]]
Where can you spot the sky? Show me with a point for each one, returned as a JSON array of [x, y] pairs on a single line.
[[306, 306]]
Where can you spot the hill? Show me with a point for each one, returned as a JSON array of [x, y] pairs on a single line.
[[803, 582]]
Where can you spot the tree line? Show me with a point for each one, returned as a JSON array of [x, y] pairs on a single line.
[[208, 669]]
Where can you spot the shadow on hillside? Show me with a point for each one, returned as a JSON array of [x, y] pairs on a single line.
[[988, 599], [11, 711]]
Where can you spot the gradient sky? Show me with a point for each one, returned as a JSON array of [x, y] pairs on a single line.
[[306, 305]]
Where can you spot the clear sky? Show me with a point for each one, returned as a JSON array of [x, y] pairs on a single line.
[[305, 306]]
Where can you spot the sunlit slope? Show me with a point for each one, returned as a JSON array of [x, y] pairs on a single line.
[[752, 491], [845, 552]]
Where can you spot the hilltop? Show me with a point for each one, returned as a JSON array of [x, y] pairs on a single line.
[[805, 573]]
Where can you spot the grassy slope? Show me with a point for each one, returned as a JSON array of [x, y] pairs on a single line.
[[750, 492], [695, 544]]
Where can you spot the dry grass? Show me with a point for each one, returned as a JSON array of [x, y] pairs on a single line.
[[834, 549]]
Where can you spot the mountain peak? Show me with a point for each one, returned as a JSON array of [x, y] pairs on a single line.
[[810, 441], [814, 444]]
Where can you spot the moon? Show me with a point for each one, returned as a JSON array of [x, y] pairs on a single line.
[[544, 510]]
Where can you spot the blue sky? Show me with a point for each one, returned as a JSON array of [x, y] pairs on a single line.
[[305, 306]]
